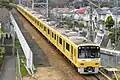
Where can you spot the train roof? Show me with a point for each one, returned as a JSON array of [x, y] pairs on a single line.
[[73, 36]]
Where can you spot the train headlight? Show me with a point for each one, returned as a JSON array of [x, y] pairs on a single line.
[[81, 63], [96, 63], [97, 47]]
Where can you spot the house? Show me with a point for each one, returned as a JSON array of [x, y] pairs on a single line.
[[58, 12], [115, 13], [100, 14], [83, 14], [99, 17]]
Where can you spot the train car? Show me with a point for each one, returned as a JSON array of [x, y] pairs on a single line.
[[80, 51]]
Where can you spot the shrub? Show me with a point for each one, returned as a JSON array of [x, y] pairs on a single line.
[[109, 22]]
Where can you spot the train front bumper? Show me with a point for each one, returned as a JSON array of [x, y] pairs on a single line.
[[88, 70], [88, 66]]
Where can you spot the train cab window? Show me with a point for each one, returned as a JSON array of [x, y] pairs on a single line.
[[44, 28], [81, 54], [48, 31], [89, 52], [67, 46], [60, 41], [52, 34], [55, 37]]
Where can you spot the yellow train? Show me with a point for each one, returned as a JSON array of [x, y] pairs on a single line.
[[80, 51]]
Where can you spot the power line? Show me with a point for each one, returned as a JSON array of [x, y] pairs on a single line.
[[93, 4]]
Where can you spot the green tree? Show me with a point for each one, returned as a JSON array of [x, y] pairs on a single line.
[[114, 32], [5, 4], [69, 22], [119, 22], [11, 1], [109, 22]]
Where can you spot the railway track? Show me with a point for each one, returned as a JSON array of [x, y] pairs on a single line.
[[60, 64], [105, 75], [91, 77]]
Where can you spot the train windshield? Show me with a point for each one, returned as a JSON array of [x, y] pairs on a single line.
[[89, 52]]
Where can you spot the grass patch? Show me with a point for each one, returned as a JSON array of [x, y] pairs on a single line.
[[22, 67], [2, 52], [23, 70], [17, 69], [1, 31], [118, 67]]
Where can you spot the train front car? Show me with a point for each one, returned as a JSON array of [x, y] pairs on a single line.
[[88, 59]]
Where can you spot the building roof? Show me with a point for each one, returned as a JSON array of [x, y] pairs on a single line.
[[102, 11], [61, 9], [115, 10], [81, 11]]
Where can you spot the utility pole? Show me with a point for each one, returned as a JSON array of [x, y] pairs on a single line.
[[32, 4], [90, 28], [19, 2], [99, 3], [90, 33], [41, 4], [116, 2], [47, 7], [116, 23], [27, 3]]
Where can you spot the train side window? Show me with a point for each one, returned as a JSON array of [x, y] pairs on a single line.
[[32, 19], [55, 37], [52, 34], [60, 41], [44, 28], [71, 52], [37, 22], [72, 49], [48, 31], [41, 26], [75, 52], [67, 46]]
